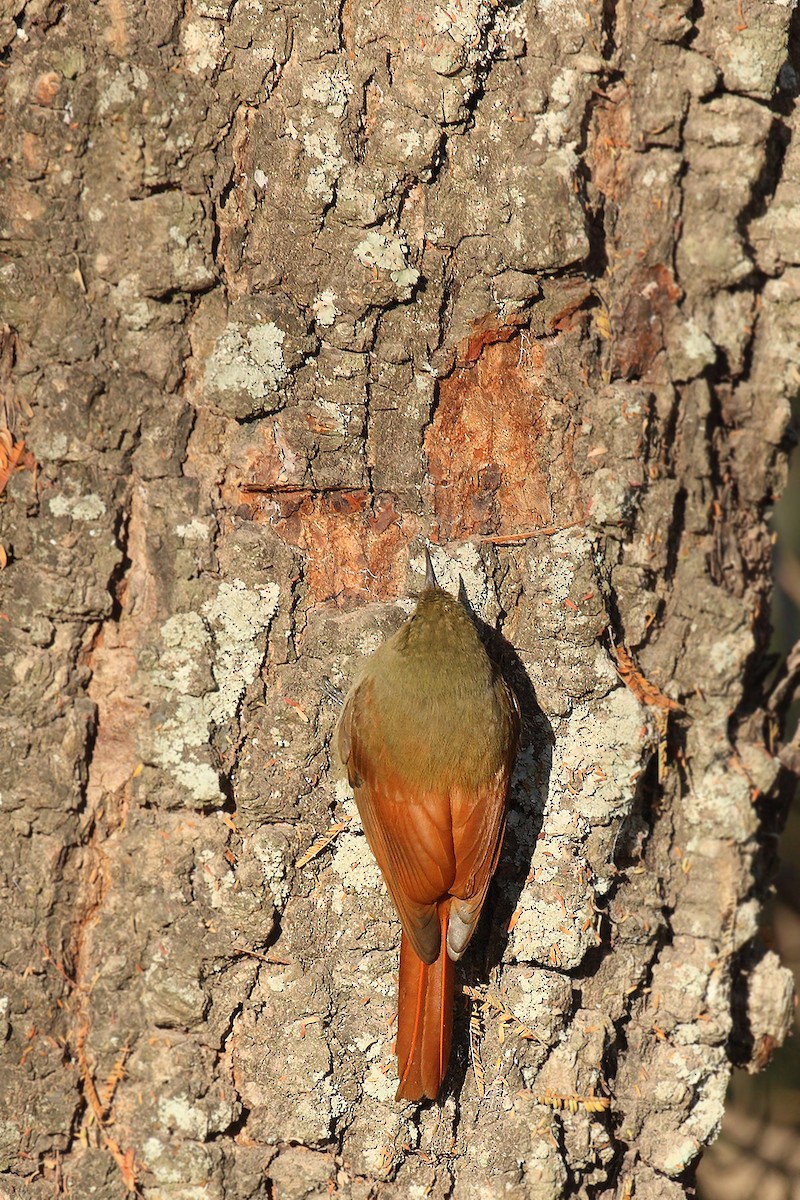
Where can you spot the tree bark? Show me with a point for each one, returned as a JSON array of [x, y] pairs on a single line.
[[288, 290]]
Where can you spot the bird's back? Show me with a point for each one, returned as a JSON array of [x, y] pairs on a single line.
[[440, 709]]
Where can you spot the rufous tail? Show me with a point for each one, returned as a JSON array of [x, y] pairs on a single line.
[[424, 1019]]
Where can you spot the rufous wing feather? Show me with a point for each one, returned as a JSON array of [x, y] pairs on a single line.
[[409, 833], [479, 822]]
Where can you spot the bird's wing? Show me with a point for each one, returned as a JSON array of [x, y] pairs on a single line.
[[409, 832], [479, 822]]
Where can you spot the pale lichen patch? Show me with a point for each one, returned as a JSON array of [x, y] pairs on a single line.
[[249, 360], [78, 508], [229, 637]]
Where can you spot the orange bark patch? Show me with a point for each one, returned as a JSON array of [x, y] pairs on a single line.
[[356, 547], [483, 445], [486, 332], [270, 462]]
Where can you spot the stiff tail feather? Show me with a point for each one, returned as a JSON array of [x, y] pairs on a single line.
[[424, 1018]]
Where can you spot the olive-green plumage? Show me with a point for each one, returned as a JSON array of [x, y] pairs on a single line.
[[445, 713]]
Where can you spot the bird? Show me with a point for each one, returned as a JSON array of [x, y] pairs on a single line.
[[428, 735]]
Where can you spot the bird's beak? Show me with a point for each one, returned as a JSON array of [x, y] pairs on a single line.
[[430, 578]]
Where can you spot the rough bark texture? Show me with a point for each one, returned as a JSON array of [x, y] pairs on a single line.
[[287, 289]]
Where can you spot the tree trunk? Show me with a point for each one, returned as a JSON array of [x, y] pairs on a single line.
[[287, 291]]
